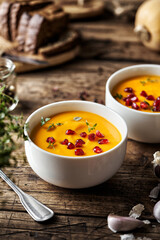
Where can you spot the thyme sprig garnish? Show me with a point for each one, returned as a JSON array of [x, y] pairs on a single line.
[[51, 126], [44, 120], [11, 129], [89, 127], [143, 82], [148, 80], [152, 80], [147, 103], [51, 145], [119, 96]]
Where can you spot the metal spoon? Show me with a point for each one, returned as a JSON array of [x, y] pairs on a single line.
[[37, 210]]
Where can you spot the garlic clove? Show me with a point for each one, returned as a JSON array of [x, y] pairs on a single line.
[[156, 163], [156, 211], [122, 224]]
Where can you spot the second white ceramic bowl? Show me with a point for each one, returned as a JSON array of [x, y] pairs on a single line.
[[76, 172], [142, 126]]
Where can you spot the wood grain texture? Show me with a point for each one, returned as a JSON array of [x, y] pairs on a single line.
[[108, 45]]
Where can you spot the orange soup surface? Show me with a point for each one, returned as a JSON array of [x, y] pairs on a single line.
[[75, 133], [140, 93]]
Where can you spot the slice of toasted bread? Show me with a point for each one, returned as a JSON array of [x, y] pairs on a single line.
[[67, 41]]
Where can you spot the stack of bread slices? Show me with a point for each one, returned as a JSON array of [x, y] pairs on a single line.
[[35, 25]]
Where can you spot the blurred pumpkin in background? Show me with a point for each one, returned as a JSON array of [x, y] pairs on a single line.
[[147, 24]]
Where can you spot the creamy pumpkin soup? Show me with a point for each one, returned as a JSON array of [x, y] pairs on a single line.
[[75, 133], [139, 93]]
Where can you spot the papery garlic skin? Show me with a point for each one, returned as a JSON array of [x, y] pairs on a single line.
[[127, 237], [156, 211], [154, 193], [136, 211], [156, 156], [123, 224], [156, 163]]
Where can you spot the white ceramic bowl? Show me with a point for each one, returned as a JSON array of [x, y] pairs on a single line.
[[76, 172], [142, 126]]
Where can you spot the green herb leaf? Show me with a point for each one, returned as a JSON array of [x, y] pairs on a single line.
[[2, 89], [119, 96], [147, 103], [10, 127], [51, 126], [44, 120], [152, 80], [77, 118], [59, 124], [143, 82], [89, 127], [87, 123], [51, 145]]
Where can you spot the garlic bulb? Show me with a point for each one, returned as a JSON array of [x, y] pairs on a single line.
[[147, 24], [156, 211]]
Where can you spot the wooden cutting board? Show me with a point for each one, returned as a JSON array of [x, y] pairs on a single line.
[[6, 46], [91, 9]]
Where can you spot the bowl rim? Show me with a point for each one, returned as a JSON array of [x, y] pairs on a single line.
[[76, 157], [110, 79]]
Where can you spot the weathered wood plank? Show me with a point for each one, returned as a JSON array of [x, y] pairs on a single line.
[[114, 195], [113, 39], [50, 85], [108, 45], [18, 225]]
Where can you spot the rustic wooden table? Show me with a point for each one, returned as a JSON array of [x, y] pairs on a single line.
[[108, 45]]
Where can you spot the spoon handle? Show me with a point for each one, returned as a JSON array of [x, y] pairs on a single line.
[[37, 210]]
